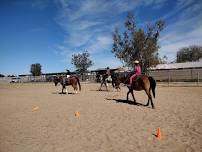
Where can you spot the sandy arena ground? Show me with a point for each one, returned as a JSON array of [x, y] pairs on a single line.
[[36, 118]]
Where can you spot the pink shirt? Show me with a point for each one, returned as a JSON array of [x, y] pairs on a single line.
[[137, 70]]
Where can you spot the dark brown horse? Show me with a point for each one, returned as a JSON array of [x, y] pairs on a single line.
[[143, 82], [64, 81]]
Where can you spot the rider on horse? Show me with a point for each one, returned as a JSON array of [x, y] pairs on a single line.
[[108, 73], [137, 70], [68, 73]]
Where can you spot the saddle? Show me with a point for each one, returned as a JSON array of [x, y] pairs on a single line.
[[137, 78], [67, 80]]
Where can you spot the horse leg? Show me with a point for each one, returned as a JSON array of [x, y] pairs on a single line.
[[101, 85], [66, 90], [118, 89], [152, 104], [106, 85], [149, 98], [128, 94], [131, 91], [113, 84], [75, 88], [117, 86], [147, 103], [63, 87], [133, 95]]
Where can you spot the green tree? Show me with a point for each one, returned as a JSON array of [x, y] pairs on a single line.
[[191, 53], [35, 69], [137, 43], [82, 62]]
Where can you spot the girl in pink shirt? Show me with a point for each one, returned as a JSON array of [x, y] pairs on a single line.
[[137, 70]]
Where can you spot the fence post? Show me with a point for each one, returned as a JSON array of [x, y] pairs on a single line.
[[168, 77], [191, 72], [198, 78]]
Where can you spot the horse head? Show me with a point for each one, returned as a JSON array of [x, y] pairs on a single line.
[[120, 78]]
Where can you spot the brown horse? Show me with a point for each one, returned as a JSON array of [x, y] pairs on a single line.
[[64, 81], [143, 82]]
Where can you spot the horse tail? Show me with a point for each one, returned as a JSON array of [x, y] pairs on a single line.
[[78, 83], [153, 85]]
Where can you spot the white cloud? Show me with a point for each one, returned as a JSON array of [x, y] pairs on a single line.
[[156, 4], [183, 3], [172, 42], [105, 40], [101, 44], [106, 61], [63, 3], [39, 4], [87, 22], [84, 24], [184, 30], [76, 40]]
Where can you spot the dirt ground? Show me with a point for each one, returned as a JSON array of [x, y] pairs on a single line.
[[36, 118]]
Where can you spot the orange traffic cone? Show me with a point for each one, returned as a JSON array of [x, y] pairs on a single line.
[[77, 114], [158, 134], [35, 108]]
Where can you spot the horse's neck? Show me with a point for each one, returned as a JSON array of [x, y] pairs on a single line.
[[125, 80]]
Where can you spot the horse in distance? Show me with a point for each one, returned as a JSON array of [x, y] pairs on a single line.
[[105, 80], [64, 81]]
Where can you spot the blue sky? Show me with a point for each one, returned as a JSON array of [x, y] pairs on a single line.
[[50, 31]]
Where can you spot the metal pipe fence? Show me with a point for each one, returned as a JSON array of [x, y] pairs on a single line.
[[165, 77], [193, 76]]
